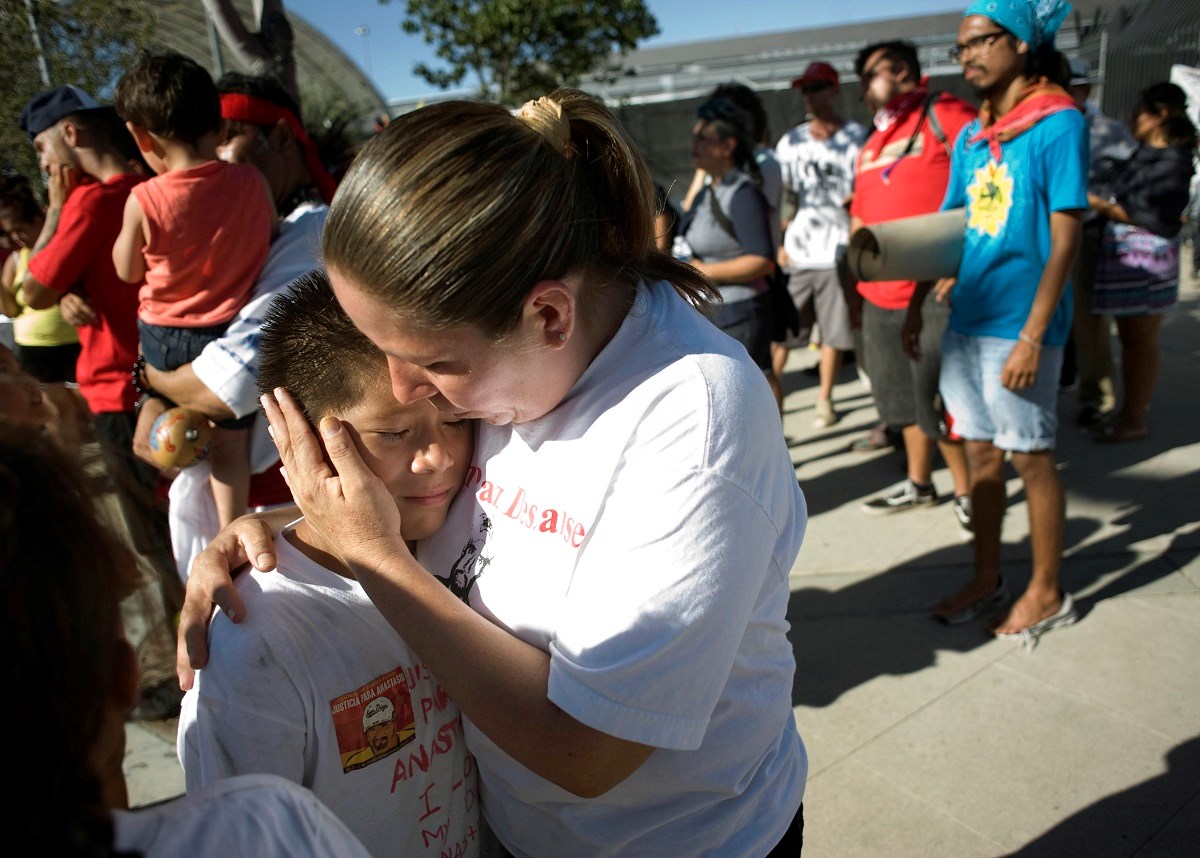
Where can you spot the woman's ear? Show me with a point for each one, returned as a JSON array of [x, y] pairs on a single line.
[[550, 312]]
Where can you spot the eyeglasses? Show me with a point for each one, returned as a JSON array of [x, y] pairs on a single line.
[[809, 89], [976, 44]]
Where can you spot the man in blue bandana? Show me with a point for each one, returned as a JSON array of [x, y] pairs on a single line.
[[1020, 170]]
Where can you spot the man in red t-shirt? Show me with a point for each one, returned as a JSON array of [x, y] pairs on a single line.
[[902, 171], [71, 264]]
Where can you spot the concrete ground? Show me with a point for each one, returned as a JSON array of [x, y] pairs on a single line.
[[925, 740]]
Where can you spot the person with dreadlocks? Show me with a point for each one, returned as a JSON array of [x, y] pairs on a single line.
[[1020, 170]]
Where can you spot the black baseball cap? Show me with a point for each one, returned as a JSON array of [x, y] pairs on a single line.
[[49, 106]]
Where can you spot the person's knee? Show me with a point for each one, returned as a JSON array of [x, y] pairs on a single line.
[[1035, 467], [984, 459]]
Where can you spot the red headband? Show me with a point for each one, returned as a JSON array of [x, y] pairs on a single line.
[[239, 107]]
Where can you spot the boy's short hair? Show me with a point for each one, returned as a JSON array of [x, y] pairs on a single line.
[[310, 347], [171, 96]]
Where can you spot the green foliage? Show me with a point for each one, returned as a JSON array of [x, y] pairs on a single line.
[[335, 122], [521, 49], [87, 43]]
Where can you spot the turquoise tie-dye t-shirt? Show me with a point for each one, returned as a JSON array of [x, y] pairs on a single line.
[[1007, 239]]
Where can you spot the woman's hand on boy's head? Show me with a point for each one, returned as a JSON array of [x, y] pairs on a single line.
[[341, 498]]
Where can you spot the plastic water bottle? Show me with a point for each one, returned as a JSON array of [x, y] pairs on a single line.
[[681, 250]]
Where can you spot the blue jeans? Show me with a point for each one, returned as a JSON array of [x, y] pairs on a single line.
[[982, 409], [167, 348]]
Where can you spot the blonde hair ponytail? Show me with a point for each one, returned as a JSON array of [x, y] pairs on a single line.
[[454, 211]]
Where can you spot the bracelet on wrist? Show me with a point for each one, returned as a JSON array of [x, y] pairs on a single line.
[[137, 377], [143, 399], [1028, 340]]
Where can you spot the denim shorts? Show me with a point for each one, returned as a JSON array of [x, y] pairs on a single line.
[[167, 348], [1023, 421]]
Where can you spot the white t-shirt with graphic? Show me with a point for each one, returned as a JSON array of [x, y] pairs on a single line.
[[821, 174], [247, 815], [316, 687], [642, 533]]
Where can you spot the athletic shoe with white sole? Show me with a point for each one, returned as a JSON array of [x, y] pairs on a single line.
[[907, 495]]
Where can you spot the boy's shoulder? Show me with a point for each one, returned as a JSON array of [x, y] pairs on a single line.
[[291, 588]]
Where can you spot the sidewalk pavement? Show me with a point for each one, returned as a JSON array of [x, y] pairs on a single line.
[[925, 740]]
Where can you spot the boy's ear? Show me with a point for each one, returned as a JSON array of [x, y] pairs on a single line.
[[142, 137]]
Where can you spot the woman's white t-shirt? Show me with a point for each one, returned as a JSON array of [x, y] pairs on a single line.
[[642, 533]]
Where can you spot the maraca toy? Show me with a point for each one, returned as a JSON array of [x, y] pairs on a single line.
[[179, 438]]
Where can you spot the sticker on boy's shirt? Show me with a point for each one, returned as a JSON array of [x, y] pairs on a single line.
[[374, 721], [989, 199]]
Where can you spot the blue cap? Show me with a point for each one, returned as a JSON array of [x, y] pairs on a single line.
[[49, 106], [1032, 21]]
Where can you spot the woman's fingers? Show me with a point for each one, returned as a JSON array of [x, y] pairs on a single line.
[[211, 582], [350, 468], [299, 450]]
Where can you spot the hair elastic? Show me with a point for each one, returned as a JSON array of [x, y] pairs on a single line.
[[545, 116]]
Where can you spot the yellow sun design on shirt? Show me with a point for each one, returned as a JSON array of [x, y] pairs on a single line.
[[989, 199]]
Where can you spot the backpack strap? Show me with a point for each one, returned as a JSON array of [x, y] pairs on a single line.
[[714, 206], [935, 124]]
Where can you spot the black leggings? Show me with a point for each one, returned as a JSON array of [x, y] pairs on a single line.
[[793, 839]]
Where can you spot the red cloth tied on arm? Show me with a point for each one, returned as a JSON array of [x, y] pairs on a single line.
[[239, 107]]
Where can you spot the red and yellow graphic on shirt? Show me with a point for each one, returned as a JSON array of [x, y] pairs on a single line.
[[989, 199], [375, 721]]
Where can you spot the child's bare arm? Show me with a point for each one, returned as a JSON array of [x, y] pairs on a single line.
[[128, 251], [8, 288]]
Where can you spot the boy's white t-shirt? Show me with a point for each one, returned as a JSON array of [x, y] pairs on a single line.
[[304, 686], [247, 815], [821, 174], [642, 533]]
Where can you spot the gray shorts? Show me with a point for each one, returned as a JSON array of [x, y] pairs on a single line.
[[906, 391], [824, 288]]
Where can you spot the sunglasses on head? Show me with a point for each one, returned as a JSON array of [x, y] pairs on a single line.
[[810, 88]]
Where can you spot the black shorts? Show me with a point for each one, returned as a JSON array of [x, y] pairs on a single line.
[[748, 322], [49, 364]]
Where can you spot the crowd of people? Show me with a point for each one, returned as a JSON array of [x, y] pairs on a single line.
[[524, 517], [968, 367]]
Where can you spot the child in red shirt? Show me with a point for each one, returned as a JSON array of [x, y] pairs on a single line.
[[198, 234]]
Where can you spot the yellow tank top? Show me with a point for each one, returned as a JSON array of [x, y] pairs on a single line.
[[39, 327]]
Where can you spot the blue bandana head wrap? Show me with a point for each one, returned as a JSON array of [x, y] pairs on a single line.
[[1032, 21]]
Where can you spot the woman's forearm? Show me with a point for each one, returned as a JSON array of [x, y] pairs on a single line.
[[741, 269], [499, 681]]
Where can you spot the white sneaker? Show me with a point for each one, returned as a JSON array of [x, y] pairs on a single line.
[[823, 414]]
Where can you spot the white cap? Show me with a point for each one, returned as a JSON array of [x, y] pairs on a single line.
[[378, 711]]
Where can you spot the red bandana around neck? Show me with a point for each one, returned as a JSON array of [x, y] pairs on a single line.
[[1039, 99], [239, 107], [898, 108]]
